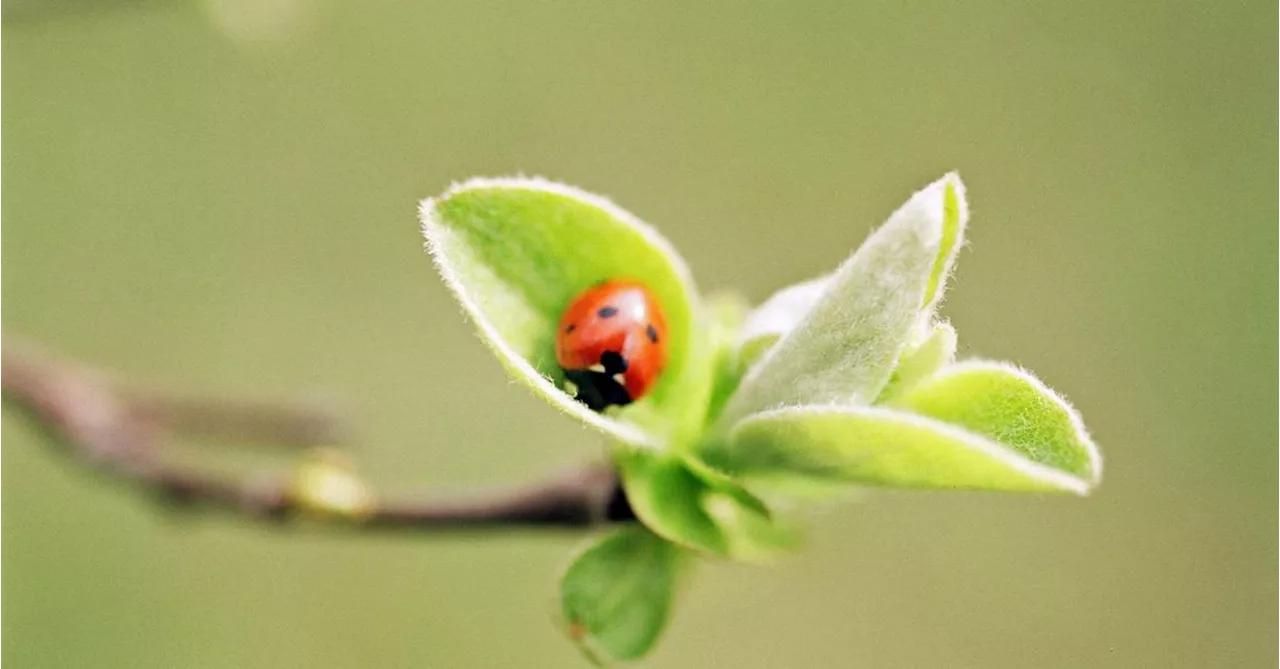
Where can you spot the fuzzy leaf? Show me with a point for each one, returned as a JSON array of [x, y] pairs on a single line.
[[616, 595], [516, 251], [883, 447], [845, 347], [700, 509], [937, 349], [1012, 407]]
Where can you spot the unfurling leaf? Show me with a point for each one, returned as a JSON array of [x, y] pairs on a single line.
[[845, 347]]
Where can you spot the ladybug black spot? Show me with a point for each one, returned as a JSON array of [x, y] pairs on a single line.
[[597, 391], [571, 327], [652, 333], [613, 362], [607, 312]]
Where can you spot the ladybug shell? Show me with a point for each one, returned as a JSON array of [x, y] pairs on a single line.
[[612, 343]]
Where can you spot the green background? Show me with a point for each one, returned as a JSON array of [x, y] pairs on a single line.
[[221, 196]]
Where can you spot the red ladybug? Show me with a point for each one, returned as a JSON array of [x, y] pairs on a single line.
[[612, 344]]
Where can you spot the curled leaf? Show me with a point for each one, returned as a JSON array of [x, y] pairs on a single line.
[[516, 251]]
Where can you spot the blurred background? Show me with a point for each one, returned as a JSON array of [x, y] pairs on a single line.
[[221, 196]]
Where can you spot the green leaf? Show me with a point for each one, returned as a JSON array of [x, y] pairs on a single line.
[[1012, 407], [728, 311], [517, 251], [698, 508], [667, 497], [956, 214], [753, 535], [616, 595], [937, 349], [845, 347], [882, 447]]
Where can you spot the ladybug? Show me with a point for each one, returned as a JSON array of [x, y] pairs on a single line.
[[612, 344]]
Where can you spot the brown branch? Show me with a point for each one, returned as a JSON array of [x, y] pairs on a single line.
[[294, 424], [126, 431]]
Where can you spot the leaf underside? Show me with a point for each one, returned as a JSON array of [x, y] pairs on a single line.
[[844, 348]]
